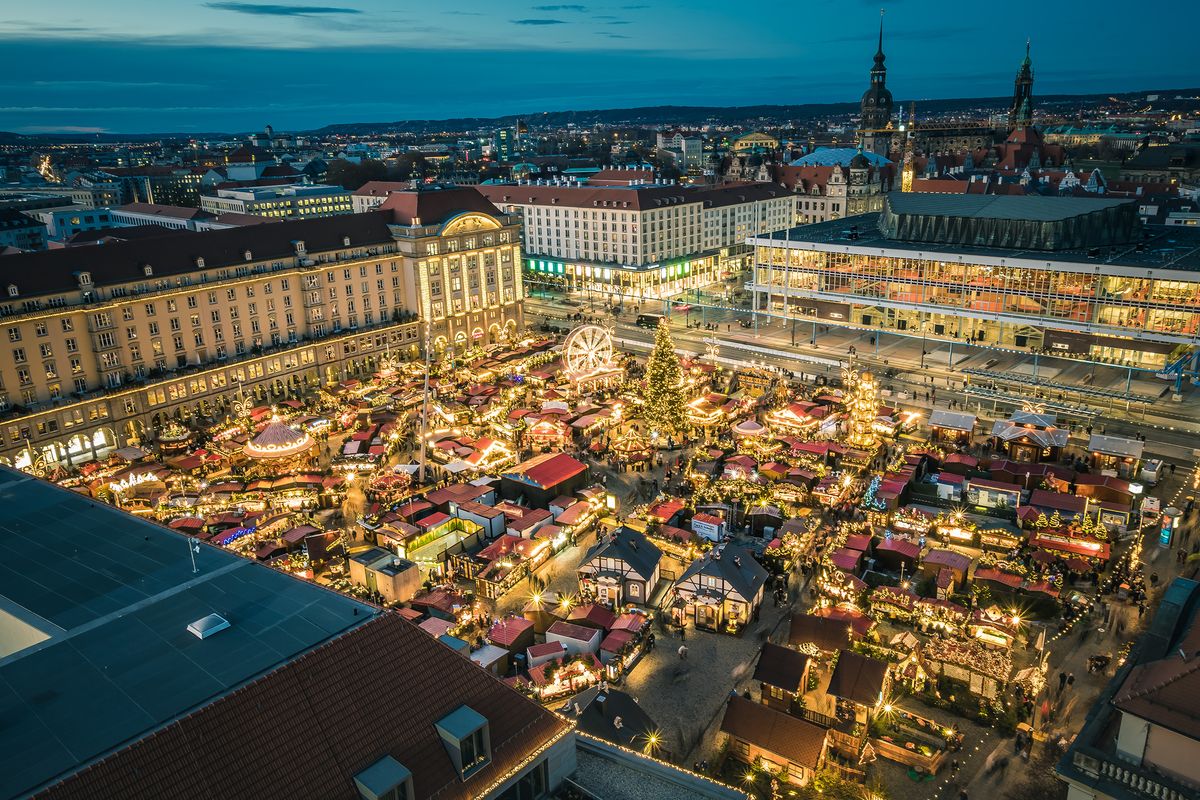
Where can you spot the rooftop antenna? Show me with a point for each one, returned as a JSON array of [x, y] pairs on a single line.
[[193, 549]]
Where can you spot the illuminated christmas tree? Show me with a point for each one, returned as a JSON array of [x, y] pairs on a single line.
[[862, 407], [664, 403]]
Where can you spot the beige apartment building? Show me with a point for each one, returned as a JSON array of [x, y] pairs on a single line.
[[106, 343]]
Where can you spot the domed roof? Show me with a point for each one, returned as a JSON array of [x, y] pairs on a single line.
[[278, 440], [836, 156]]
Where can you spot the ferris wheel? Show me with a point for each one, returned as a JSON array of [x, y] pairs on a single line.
[[587, 350]]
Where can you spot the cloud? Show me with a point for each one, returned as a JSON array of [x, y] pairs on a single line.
[[276, 10], [539, 21], [561, 8], [634, 8], [616, 36], [619, 22]]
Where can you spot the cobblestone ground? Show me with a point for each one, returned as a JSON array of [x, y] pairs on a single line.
[[686, 697]]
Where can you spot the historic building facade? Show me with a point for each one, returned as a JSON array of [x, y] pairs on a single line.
[[835, 182], [108, 342]]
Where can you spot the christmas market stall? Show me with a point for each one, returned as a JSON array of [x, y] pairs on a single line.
[[983, 670], [951, 427]]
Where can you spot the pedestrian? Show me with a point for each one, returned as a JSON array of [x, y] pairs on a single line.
[[954, 765], [1071, 680], [1171, 466], [1062, 681], [683, 652]]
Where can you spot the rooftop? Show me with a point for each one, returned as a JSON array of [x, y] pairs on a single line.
[[95, 606], [825, 633], [547, 470], [632, 198], [1167, 248], [631, 547], [858, 678], [835, 156], [799, 741], [781, 666], [124, 262], [123, 672]]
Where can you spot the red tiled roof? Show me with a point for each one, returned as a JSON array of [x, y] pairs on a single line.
[[947, 558], [629, 622], [901, 546], [345, 727]]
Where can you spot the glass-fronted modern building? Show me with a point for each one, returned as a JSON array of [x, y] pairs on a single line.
[[1064, 275]]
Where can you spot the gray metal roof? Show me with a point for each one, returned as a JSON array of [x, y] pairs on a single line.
[[1115, 446], [113, 595], [952, 420], [1169, 248], [1032, 208]]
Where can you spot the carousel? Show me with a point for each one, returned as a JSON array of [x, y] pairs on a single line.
[[631, 446], [279, 448]]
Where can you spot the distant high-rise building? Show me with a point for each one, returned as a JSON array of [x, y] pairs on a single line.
[[505, 144], [876, 103], [1021, 113]]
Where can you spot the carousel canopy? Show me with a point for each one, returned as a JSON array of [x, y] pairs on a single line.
[[278, 440]]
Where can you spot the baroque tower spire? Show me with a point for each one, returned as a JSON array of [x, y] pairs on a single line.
[[876, 106], [1020, 114]]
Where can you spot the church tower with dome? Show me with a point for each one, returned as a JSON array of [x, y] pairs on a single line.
[[876, 106]]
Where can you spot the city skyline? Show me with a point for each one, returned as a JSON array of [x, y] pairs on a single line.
[[303, 66]]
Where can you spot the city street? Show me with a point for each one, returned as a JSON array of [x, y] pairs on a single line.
[[1172, 429]]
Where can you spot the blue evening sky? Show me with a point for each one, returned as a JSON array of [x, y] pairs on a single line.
[[210, 65]]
